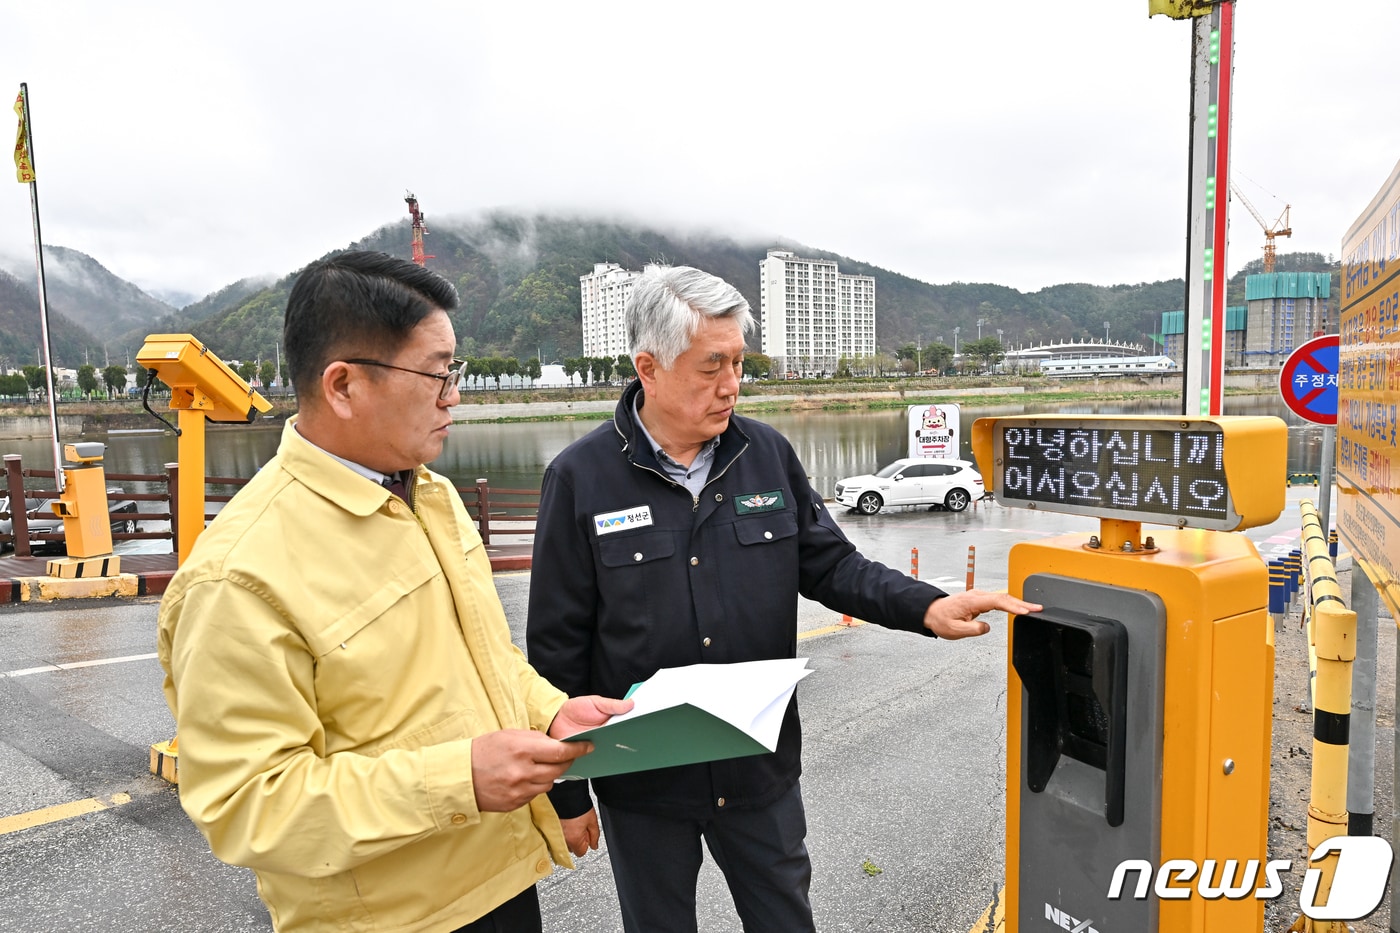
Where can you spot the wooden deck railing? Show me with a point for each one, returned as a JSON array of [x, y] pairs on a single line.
[[503, 513]]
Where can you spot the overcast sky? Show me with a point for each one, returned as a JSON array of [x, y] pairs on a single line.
[[1017, 142]]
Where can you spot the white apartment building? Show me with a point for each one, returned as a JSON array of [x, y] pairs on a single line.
[[603, 294], [812, 315]]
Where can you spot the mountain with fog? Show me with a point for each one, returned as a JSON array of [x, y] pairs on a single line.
[[20, 333], [86, 293], [518, 279]]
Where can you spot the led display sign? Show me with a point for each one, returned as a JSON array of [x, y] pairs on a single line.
[[1169, 473]]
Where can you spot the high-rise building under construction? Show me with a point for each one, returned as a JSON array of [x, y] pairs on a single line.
[[1282, 310]]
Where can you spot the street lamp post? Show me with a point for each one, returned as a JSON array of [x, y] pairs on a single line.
[[1105, 332], [1000, 331], [956, 331], [980, 322]]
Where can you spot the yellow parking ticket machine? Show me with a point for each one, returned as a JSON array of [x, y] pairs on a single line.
[[202, 388], [1139, 700], [87, 528]]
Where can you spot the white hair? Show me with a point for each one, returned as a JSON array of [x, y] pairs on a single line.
[[668, 304]]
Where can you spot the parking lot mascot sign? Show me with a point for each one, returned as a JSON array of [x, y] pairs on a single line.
[[935, 432]]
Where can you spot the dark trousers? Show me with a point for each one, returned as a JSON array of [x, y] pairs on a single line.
[[656, 863], [520, 914]]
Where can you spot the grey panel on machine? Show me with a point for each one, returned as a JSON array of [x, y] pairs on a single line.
[[1091, 796]]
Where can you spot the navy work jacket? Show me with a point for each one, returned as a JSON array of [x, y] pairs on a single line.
[[632, 574]]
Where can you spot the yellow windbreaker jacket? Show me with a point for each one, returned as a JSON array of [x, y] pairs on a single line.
[[329, 654]]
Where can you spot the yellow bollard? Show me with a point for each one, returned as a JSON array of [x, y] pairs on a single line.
[[165, 760], [1332, 635]]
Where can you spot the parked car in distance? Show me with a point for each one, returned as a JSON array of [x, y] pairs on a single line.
[[913, 481], [42, 520]]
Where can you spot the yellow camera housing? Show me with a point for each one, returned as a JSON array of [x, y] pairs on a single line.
[[199, 380]]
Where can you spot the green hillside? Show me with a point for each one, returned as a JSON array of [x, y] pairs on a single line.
[[20, 332]]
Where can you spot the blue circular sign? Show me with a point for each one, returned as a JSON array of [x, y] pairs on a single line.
[[1308, 380]]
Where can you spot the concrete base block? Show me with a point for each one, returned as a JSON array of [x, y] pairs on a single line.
[[72, 568], [43, 589]]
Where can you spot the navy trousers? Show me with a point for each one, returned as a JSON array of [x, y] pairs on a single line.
[[763, 854]]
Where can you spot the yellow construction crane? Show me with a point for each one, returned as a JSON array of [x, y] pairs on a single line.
[[1280, 227]]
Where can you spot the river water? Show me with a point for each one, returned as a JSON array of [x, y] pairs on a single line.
[[831, 444]]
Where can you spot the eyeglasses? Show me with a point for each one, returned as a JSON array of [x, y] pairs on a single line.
[[449, 379]]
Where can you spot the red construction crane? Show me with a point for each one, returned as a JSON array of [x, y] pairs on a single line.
[[419, 230]]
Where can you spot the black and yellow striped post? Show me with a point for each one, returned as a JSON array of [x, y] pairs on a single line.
[[1332, 637], [1294, 562]]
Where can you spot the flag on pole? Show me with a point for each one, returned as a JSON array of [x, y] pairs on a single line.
[[24, 165]]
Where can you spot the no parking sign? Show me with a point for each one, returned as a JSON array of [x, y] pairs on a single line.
[[1308, 380]]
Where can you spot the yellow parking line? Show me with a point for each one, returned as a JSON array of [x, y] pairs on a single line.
[[993, 919], [63, 811], [827, 630]]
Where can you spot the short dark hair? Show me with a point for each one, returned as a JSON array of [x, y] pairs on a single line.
[[356, 303]]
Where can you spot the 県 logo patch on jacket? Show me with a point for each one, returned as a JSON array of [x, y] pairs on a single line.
[[747, 502], [639, 516]]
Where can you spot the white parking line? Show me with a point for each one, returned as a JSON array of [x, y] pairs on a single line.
[[75, 665]]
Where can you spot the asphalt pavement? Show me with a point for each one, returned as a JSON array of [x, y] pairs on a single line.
[[904, 759]]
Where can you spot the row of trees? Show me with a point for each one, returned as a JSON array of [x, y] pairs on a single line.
[[983, 354], [33, 379], [265, 371], [478, 368], [594, 369]]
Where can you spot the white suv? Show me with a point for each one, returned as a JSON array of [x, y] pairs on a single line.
[[913, 481]]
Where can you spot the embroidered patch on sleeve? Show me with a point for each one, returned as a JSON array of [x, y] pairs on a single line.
[[748, 502]]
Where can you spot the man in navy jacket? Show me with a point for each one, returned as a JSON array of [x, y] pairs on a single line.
[[681, 533]]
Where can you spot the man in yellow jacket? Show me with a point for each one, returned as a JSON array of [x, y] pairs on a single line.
[[355, 724]]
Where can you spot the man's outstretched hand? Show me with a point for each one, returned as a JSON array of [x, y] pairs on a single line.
[[955, 615]]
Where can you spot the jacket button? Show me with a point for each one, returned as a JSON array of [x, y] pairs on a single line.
[[720, 802], [458, 819], [542, 865], [637, 556], [768, 535], [719, 497], [694, 561], [706, 642]]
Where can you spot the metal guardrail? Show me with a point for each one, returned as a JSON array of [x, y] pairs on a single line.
[[502, 512]]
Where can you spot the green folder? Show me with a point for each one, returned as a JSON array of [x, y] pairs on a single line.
[[703, 713]]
